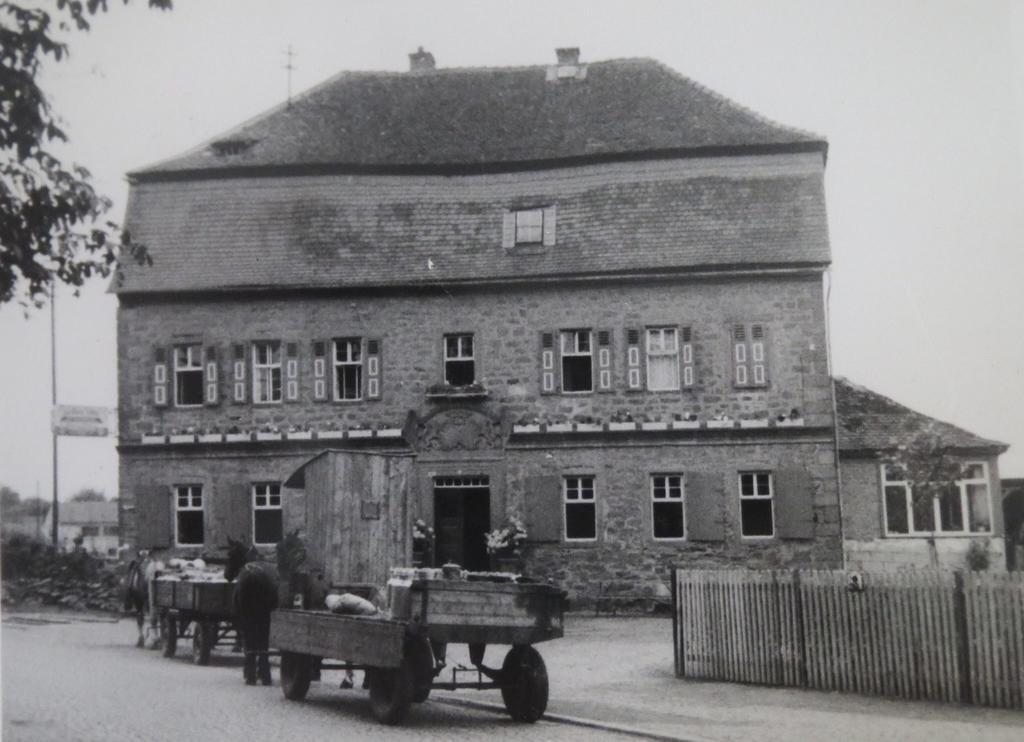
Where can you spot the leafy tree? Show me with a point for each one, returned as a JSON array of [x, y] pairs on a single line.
[[88, 495], [10, 500], [35, 507], [51, 217]]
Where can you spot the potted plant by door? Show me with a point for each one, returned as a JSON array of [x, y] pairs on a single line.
[[422, 544], [504, 545]]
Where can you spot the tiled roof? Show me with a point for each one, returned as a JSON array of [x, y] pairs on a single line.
[[88, 513], [342, 232], [869, 421], [474, 116]]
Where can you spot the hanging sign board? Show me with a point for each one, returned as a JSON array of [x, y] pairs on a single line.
[[79, 420]]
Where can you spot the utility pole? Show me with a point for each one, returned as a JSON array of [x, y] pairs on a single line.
[[290, 67], [53, 397]]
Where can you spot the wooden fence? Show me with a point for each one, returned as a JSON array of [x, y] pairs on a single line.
[[943, 636]]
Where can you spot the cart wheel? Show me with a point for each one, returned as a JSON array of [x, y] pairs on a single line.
[[203, 638], [421, 659], [296, 672], [169, 634], [524, 684], [391, 692]]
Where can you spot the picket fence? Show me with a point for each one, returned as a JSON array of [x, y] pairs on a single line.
[[935, 635]]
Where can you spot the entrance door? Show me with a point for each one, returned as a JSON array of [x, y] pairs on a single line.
[[462, 517]]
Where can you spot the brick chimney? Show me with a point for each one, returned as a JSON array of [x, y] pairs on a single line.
[[421, 61], [568, 66], [568, 55]]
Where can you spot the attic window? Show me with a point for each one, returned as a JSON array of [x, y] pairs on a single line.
[[231, 146]]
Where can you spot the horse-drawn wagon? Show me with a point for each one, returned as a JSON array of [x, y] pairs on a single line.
[[197, 610], [404, 654]]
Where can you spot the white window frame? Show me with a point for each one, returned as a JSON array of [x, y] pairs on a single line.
[[460, 352], [755, 473], [576, 334], [193, 365], [663, 351], [349, 342], [267, 494], [669, 498], [192, 492], [961, 485], [539, 226], [268, 367], [580, 499]]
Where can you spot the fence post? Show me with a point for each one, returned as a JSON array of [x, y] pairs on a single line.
[[963, 652], [676, 639], [798, 605]]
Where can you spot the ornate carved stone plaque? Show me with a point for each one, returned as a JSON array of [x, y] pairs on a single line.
[[459, 430]]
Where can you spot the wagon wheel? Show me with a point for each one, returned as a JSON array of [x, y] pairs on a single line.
[[421, 660], [524, 684], [203, 638], [169, 633], [296, 672], [391, 692]]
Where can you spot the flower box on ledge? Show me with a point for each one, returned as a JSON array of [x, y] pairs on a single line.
[[559, 427], [622, 425], [300, 435], [797, 422], [721, 424], [268, 436], [238, 437], [760, 423], [528, 428], [360, 433], [330, 435], [654, 425], [151, 438], [183, 438], [589, 427], [389, 433], [685, 424], [210, 437]]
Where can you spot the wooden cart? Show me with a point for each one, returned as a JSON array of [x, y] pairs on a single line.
[[404, 656], [200, 611]]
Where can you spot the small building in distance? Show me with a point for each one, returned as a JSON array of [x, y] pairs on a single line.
[[95, 522], [884, 528]]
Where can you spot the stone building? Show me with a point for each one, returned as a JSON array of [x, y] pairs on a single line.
[[586, 294], [885, 527]]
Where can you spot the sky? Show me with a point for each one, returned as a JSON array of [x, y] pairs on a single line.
[[922, 103]]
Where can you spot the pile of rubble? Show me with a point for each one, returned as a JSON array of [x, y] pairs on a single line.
[[34, 573]]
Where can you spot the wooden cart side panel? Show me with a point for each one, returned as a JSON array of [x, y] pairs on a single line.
[[163, 594], [362, 641], [214, 598], [525, 610]]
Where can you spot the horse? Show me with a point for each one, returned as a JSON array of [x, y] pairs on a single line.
[[137, 599], [255, 596]]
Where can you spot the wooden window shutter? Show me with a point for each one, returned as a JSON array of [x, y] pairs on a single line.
[[160, 376], [604, 361], [320, 370], [793, 496], [740, 356], [549, 226], [543, 500], [211, 376], [758, 356], [239, 388], [686, 361], [549, 376], [153, 525], [230, 510], [634, 375], [704, 503], [291, 372], [373, 369], [508, 230]]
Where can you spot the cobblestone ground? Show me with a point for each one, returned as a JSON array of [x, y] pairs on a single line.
[[72, 679]]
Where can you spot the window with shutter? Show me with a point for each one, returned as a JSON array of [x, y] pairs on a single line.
[[188, 375], [757, 517], [604, 360], [667, 512], [238, 367], [188, 520], [705, 519], [291, 372], [529, 227], [662, 359], [266, 372], [320, 370], [459, 360], [577, 361], [267, 522], [580, 509], [160, 377], [633, 380], [750, 357], [794, 504], [348, 369], [211, 376], [548, 365]]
